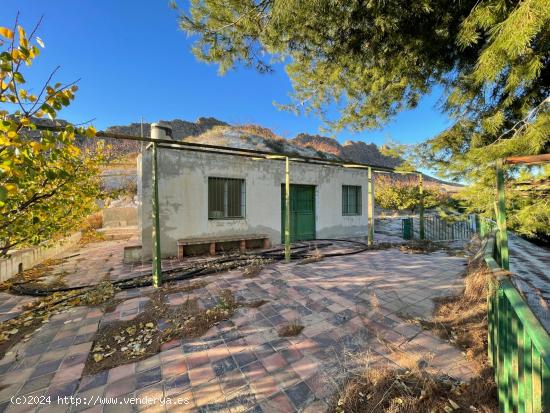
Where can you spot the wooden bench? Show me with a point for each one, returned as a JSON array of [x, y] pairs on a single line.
[[212, 240]]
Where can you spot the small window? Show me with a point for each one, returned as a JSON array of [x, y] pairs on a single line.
[[226, 198], [351, 200]]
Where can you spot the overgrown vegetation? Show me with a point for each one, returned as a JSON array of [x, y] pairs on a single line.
[[403, 193], [47, 184]]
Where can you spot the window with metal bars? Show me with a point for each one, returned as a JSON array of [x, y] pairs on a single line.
[[351, 200], [226, 198]]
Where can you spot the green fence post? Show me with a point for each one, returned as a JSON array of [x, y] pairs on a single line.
[[287, 209], [501, 217], [370, 207], [421, 207]]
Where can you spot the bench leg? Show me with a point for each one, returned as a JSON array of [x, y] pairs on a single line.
[[266, 243], [181, 252], [212, 248], [242, 246]]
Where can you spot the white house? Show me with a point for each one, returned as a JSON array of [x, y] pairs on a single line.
[[212, 194]]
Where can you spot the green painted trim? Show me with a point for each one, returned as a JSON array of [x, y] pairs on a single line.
[[501, 218], [519, 346], [287, 210]]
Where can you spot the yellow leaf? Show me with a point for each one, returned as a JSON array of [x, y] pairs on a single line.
[[90, 132], [22, 34], [12, 134], [11, 188], [40, 42], [36, 146], [7, 33], [73, 150]]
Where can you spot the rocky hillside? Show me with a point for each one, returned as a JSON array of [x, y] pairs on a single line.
[[212, 131], [352, 151]]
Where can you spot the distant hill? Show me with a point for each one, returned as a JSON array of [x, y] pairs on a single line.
[[211, 131], [215, 132]]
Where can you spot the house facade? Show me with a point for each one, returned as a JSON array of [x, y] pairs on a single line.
[[211, 194]]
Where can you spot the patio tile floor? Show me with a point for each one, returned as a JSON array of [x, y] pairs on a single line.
[[348, 306]]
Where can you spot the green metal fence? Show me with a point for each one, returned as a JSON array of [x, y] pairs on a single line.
[[519, 347], [439, 229]]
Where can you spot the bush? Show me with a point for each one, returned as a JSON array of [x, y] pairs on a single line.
[[403, 193]]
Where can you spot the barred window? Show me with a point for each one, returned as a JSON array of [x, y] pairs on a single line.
[[226, 198], [351, 200]]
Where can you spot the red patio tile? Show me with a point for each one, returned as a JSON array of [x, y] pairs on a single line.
[[121, 372], [279, 403], [201, 375], [174, 368], [197, 359], [120, 387], [274, 362], [305, 367]]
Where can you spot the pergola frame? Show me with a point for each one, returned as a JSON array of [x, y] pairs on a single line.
[[156, 144], [500, 203]]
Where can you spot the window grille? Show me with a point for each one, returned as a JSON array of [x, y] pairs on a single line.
[[226, 198], [351, 200]]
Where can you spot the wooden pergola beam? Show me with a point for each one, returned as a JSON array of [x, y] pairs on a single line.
[[528, 160]]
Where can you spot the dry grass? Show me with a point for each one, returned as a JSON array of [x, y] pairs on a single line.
[[291, 329], [419, 247], [90, 235], [383, 389], [462, 321], [94, 221], [252, 271], [316, 256]]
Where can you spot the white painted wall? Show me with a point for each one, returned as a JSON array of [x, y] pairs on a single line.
[[24, 259], [183, 194]]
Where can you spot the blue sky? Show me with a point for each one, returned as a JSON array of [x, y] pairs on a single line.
[[133, 61]]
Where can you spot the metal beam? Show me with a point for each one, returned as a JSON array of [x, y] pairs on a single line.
[[528, 159]]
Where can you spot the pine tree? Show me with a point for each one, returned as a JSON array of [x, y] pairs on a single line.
[[372, 59]]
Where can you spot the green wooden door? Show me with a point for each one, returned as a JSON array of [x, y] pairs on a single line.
[[302, 212]]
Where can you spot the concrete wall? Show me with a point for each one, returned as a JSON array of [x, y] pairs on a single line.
[[183, 195], [119, 217], [24, 259]]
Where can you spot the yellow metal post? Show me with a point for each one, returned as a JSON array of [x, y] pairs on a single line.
[[287, 209], [370, 207]]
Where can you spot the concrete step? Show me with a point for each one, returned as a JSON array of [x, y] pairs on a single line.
[[115, 233]]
